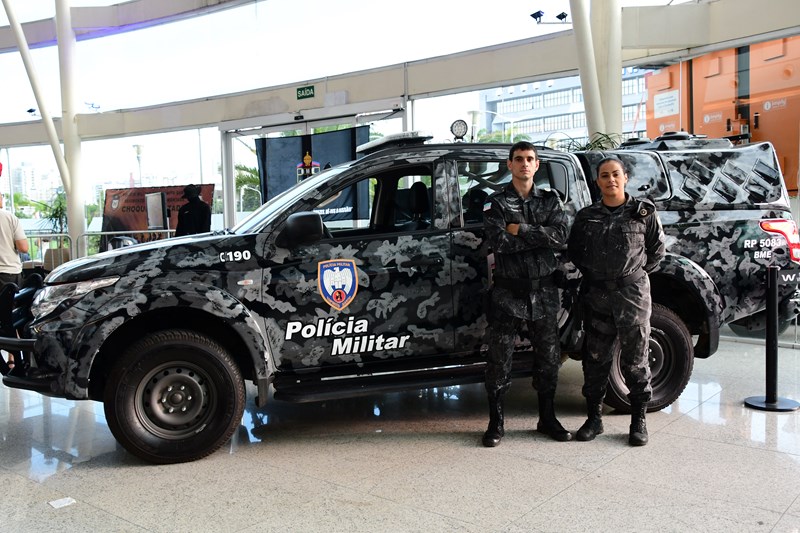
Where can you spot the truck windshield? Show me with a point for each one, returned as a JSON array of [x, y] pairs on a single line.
[[259, 218]]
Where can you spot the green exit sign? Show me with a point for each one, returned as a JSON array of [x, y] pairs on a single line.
[[305, 92]]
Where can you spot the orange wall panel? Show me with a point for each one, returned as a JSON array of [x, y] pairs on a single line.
[[775, 101], [667, 104], [714, 84]]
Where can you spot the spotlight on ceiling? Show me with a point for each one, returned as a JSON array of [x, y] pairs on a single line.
[[562, 16], [537, 16]]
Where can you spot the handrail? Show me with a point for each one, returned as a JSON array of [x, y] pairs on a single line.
[[42, 239]]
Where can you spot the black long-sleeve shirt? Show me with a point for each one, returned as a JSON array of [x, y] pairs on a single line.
[[193, 217]]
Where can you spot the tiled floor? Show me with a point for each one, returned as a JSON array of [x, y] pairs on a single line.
[[412, 462]]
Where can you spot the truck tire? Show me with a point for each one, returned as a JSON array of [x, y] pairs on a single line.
[[174, 396], [671, 363]]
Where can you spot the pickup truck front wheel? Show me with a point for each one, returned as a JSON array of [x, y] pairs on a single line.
[[174, 396], [671, 363]]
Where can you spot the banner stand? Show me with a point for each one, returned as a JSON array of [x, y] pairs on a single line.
[[771, 402]]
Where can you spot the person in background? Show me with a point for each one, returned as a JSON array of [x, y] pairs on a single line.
[[524, 226], [616, 243], [195, 215], [12, 243]]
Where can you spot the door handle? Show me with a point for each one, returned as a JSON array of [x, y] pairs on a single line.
[[426, 261]]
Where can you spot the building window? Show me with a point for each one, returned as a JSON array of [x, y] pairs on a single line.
[[557, 98], [558, 122], [516, 105], [633, 85], [633, 112], [535, 125]]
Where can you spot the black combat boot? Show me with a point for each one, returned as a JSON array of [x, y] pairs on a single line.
[[548, 424], [495, 431], [594, 424], [638, 434]]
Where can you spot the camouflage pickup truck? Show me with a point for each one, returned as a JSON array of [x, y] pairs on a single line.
[[369, 277]]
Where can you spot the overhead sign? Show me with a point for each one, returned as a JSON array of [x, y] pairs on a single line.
[[305, 92]]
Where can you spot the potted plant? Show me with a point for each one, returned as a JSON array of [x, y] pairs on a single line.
[[57, 250]]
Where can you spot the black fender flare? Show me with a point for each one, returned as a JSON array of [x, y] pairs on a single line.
[[699, 283]]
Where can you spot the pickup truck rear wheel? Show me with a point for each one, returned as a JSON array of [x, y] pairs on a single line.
[[174, 396], [671, 363]]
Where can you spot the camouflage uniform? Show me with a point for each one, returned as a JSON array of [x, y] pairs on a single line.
[[523, 289], [614, 250]]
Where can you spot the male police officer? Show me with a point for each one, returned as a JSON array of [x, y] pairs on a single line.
[[524, 228]]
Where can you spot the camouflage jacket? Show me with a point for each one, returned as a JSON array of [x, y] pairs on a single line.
[[531, 254], [609, 245]]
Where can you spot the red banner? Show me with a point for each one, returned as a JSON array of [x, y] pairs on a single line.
[[126, 209]]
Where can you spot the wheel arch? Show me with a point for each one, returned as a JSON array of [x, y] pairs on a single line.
[[241, 338], [682, 286]]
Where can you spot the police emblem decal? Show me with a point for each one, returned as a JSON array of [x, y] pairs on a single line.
[[338, 282]]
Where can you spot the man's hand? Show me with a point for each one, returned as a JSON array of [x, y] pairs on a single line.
[[513, 229]]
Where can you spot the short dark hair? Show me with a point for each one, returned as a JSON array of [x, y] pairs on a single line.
[[609, 159], [524, 146], [191, 191]]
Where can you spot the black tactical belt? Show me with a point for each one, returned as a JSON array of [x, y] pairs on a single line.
[[523, 285], [611, 284]]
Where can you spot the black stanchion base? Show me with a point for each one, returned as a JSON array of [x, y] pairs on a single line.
[[781, 404]]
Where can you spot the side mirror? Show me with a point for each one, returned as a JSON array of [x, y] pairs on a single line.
[[301, 229]]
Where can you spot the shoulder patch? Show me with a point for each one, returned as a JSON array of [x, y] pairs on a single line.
[[644, 208]]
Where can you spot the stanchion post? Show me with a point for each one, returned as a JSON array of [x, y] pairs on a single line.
[[772, 336], [771, 402]]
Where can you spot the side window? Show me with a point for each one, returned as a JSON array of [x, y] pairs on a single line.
[[413, 200], [553, 175], [476, 181], [395, 200], [646, 177], [349, 209]]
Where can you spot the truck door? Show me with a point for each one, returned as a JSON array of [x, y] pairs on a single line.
[[479, 176], [376, 291]]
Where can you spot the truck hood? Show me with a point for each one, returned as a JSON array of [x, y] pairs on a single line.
[[122, 260]]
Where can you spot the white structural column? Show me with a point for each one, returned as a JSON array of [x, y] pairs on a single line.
[[76, 217], [606, 19], [587, 66], [47, 120], [228, 180]]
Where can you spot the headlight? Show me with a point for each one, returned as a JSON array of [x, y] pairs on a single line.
[[48, 298]]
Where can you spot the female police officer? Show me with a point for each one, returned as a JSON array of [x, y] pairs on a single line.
[[615, 243]]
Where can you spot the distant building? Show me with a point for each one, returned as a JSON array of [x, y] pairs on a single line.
[[552, 112]]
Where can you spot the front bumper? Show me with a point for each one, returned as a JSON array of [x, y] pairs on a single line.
[[23, 375]]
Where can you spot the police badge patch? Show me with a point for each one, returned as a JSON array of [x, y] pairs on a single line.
[[338, 282]]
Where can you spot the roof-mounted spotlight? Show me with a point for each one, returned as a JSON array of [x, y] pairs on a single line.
[[459, 129], [537, 16], [562, 16]]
